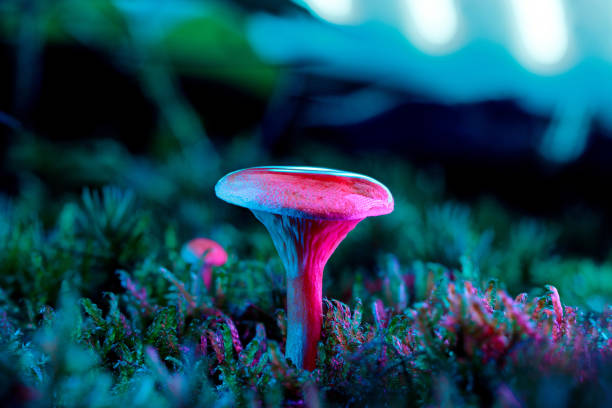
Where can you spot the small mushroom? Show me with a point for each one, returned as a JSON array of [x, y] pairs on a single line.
[[308, 211], [213, 255]]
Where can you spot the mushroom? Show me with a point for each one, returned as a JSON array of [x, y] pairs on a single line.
[[206, 251], [308, 211]]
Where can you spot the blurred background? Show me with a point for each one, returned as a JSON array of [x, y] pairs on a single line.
[[489, 121]]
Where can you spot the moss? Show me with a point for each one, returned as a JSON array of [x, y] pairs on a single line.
[[96, 310]]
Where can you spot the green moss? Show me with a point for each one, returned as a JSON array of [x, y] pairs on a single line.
[[150, 334]]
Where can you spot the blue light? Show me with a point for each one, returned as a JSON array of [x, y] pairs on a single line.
[[542, 33], [432, 24], [334, 11]]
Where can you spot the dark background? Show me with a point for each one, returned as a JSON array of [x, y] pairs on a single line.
[[483, 148], [96, 93]]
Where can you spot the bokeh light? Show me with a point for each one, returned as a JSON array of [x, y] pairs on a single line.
[[334, 11], [542, 33], [433, 24]]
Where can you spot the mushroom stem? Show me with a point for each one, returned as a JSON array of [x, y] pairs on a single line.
[[304, 246], [206, 274]]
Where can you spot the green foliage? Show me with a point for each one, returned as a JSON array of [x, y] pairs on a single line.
[[421, 334], [114, 224]]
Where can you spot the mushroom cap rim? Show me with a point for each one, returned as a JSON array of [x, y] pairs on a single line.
[[296, 213]]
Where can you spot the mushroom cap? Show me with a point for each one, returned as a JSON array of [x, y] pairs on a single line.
[[306, 192], [193, 251]]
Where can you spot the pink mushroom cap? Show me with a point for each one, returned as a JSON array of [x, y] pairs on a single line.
[[306, 192], [196, 248]]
